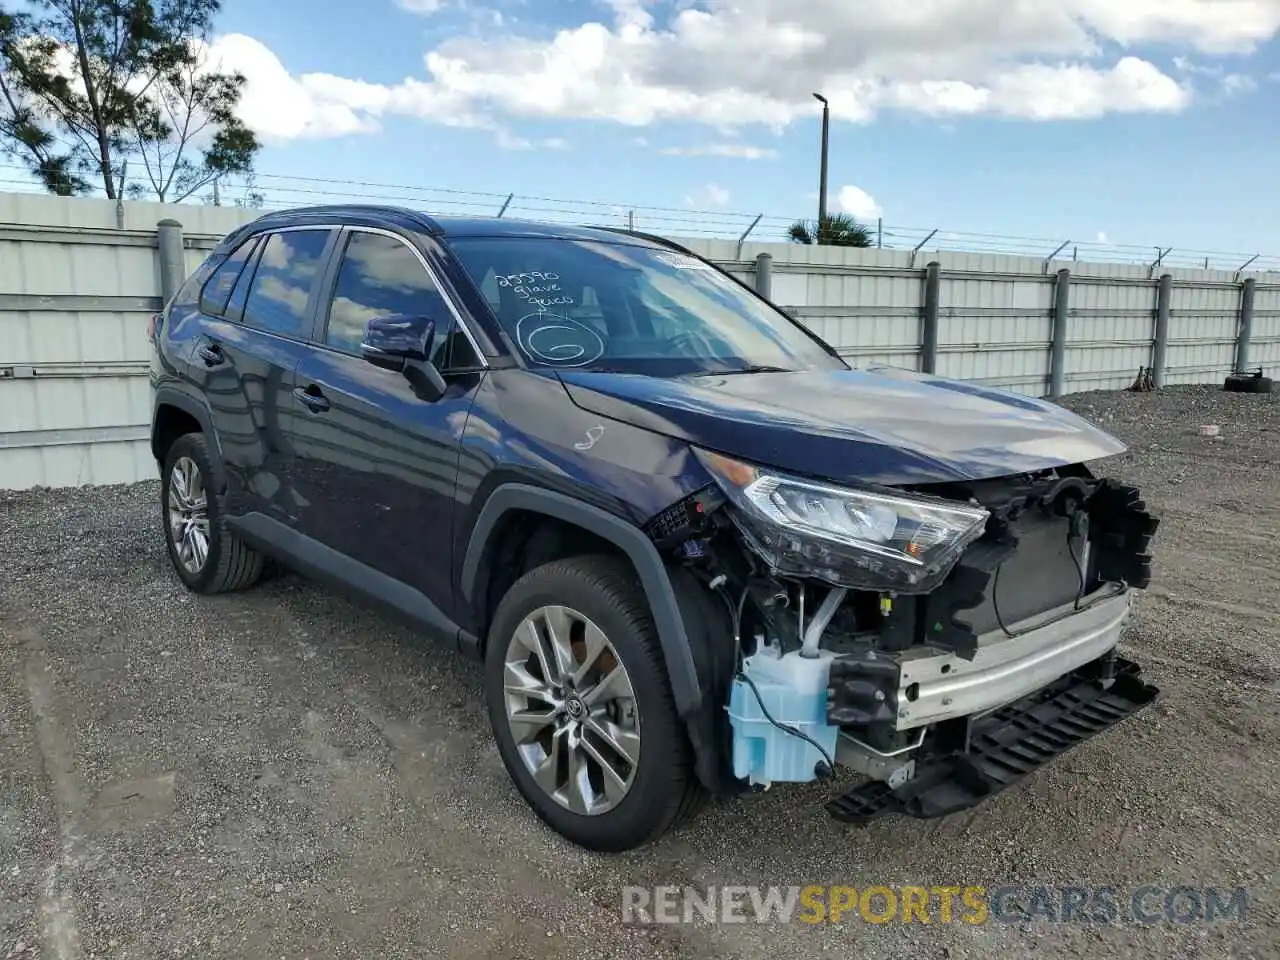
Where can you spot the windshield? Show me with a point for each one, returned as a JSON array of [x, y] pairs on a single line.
[[613, 306]]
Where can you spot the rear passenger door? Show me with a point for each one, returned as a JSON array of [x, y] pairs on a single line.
[[258, 309], [378, 465]]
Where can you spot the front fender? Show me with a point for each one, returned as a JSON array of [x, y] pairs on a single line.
[[638, 548]]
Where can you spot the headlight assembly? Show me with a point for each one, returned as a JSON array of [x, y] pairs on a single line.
[[859, 538]]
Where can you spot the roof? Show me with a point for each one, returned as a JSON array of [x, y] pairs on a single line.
[[362, 213], [449, 226], [504, 227]]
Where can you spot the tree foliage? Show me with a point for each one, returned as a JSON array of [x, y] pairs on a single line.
[[88, 85], [835, 229]]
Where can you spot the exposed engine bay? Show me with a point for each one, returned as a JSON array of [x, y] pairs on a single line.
[[942, 640]]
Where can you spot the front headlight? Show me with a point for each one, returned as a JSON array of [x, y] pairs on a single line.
[[862, 539]]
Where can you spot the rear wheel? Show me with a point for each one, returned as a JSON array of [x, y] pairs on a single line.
[[581, 708], [207, 557]]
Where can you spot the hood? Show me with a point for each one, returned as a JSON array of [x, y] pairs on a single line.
[[882, 425]]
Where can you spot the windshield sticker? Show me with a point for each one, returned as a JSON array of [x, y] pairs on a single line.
[[558, 341], [681, 262]]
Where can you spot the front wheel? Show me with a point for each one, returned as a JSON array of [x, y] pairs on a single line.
[[581, 708]]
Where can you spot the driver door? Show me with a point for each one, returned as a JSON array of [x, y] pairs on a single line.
[[377, 466]]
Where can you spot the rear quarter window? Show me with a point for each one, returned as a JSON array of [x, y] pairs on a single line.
[[217, 291]]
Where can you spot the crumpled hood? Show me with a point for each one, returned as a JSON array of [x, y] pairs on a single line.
[[883, 425]]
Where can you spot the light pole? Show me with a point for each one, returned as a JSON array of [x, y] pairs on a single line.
[[822, 176]]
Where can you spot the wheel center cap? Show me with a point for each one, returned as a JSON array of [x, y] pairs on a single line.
[[575, 708]]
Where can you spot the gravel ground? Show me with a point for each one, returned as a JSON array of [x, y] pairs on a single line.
[[282, 773]]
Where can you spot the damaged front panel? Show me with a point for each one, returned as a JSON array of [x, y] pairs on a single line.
[[1038, 592], [1048, 540]]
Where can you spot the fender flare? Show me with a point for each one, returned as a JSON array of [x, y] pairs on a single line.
[[167, 396], [639, 549]]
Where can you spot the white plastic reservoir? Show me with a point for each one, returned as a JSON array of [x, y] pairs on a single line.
[[794, 691]]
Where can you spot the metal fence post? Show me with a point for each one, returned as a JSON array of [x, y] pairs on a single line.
[[1164, 297], [929, 328], [764, 274], [1247, 290], [1058, 338], [173, 269]]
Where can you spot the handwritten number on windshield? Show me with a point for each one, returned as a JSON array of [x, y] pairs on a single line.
[[561, 341], [538, 287]]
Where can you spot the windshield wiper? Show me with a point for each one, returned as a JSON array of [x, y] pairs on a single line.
[[754, 368]]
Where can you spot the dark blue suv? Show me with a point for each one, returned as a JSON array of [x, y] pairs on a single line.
[[697, 553]]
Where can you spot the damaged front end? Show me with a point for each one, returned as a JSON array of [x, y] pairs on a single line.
[[944, 640]]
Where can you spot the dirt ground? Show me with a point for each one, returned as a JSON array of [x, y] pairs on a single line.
[[283, 773]]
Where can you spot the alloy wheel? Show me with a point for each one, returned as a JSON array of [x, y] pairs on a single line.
[[189, 514], [571, 710]]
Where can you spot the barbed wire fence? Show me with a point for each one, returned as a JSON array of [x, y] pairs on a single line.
[[274, 191]]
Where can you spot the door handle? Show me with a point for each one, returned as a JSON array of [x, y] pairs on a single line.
[[311, 398], [211, 354]]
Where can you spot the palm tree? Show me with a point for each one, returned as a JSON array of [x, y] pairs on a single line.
[[836, 230]]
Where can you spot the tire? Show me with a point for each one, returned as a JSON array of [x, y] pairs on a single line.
[[662, 791], [1246, 383], [228, 563]]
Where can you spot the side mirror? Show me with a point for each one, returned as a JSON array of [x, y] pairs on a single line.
[[390, 341], [403, 344]]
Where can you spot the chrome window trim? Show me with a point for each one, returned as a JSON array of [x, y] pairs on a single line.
[[299, 226]]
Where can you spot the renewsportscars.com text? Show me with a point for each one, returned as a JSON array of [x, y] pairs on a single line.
[[971, 904]]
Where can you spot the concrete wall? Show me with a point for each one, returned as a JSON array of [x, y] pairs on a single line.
[[78, 281], [996, 314], [80, 278]]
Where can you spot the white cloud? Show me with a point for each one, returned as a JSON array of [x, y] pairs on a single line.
[[421, 6], [858, 202], [1239, 83], [757, 62], [1211, 26], [277, 105], [510, 141], [708, 195], [1231, 83], [740, 151], [1187, 65], [315, 105]]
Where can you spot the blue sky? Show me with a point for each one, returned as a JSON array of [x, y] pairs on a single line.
[[1138, 121]]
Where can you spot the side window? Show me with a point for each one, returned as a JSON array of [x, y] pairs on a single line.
[[213, 299], [381, 277], [287, 269], [235, 306]]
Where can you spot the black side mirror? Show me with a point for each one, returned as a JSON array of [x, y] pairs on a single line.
[[403, 344]]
